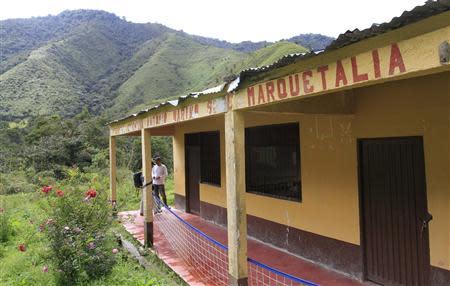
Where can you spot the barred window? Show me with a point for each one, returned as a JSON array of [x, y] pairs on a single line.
[[210, 157], [272, 161]]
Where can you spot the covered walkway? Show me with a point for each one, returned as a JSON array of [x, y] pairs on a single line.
[[263, 253]]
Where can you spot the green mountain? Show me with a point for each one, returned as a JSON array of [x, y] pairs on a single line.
[[60, 64]]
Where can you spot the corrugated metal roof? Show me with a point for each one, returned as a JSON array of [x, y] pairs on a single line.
[[175, 102], [430, 8]]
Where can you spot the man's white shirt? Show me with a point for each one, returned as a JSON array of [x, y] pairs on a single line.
[[159, 171]]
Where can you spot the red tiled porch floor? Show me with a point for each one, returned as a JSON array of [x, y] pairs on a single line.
[[263, 253]]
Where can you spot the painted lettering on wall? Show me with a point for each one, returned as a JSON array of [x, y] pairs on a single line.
[[188, 112], [125, 128], [375, 64], [185, 113], [156, 119], [219, 105]]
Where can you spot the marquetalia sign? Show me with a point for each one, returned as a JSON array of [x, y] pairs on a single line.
[[336, 75]]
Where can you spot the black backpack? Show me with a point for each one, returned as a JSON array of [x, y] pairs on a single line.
[[137, 179]]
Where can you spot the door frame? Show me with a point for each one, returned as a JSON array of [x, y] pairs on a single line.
[[361, 200], [186, 178]]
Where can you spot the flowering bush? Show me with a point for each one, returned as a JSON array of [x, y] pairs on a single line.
[[78, 230]]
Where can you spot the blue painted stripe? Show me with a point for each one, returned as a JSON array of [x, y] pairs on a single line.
[[191, 226], [288, 276]]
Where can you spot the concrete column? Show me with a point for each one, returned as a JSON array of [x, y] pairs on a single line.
[[147, 191], [112, 169], [236, 207]]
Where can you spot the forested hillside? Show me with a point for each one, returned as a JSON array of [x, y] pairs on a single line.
[[94, 59], [63, 77]]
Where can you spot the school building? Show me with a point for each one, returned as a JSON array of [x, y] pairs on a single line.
[[341, 157]]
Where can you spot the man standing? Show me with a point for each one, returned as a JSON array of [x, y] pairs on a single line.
[[159, 174]]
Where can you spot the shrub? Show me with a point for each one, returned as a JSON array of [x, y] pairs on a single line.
[[5, 226], [12, 183], [78, 230]]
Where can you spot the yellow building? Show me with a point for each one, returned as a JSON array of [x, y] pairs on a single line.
[[341, 157]]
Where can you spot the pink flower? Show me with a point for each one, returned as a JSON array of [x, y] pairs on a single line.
[[22, 247], [115, 251], [91, 245], [59, 193], [45, 269]]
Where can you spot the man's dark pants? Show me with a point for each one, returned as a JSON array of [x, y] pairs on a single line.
[[160, 191]]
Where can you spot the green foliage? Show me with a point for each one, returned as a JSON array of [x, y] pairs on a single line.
[[52, 143], [183, 65], [24, 268], [78, 230], [26, 212], [5, 226], [15, 182], [93, 59], [62, 63], [272, 53]]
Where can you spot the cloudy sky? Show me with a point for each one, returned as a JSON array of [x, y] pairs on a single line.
[[231, 20]]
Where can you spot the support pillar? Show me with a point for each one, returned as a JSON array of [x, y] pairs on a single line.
[[112, 169], [147, 191], [236, 206]]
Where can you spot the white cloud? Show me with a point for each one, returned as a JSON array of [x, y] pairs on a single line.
[[231, 20]]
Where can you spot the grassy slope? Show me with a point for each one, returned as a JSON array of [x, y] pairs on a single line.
[[64, 71], [57, 77], [182, 65], [25, 268], [106, 63], [272, 53]]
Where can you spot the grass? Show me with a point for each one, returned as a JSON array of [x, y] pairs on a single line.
[[26, 268]]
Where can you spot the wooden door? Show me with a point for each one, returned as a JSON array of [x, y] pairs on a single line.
[[394, 211], [193, 178]]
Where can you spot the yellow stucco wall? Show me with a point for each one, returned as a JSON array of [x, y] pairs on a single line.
[[330, 204], [416, 107], [327, 177], [328, 160], [208, 193]]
